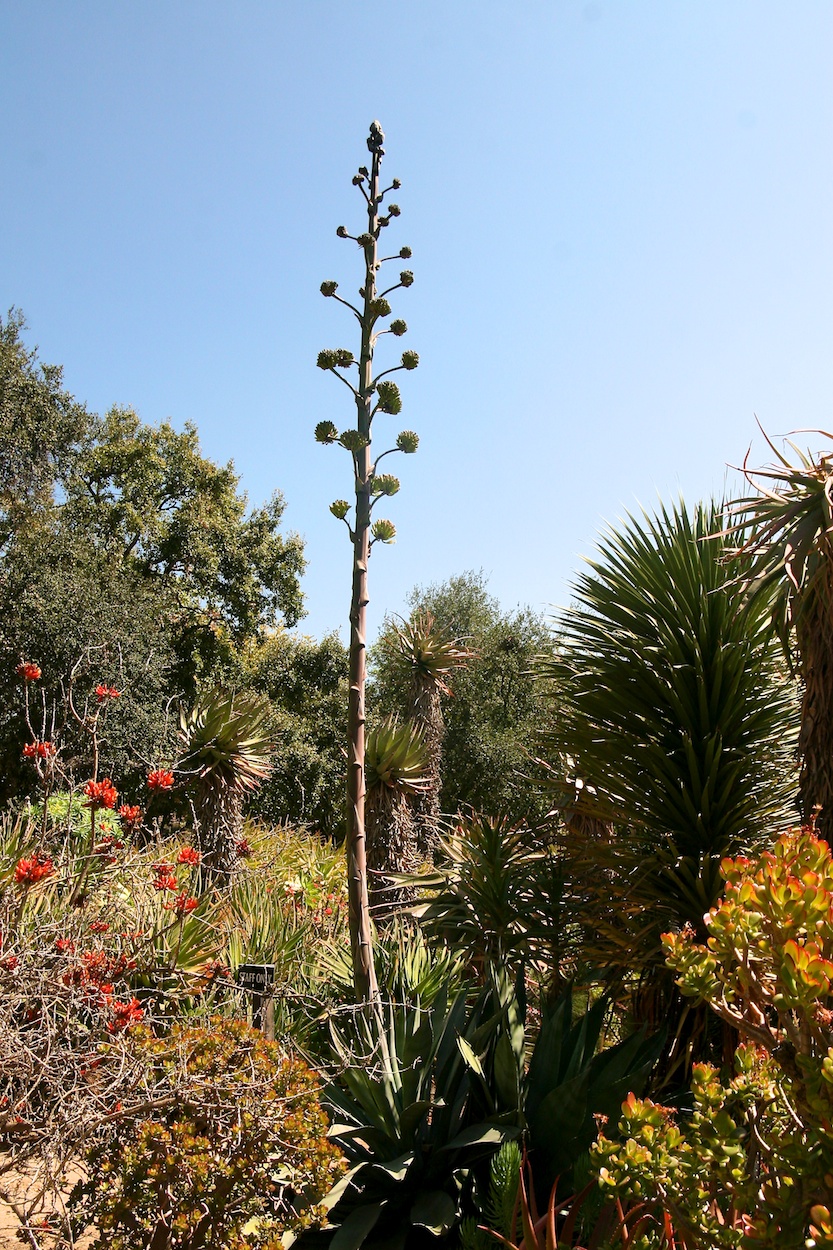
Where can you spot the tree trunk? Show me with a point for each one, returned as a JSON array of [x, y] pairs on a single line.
[[815, 740]]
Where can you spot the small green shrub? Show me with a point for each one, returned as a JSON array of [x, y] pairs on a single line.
[[227, 1147]]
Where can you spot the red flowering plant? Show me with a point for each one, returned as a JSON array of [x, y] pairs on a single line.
[[79, 969]]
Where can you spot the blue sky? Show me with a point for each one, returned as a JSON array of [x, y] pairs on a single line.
[[620, 213]]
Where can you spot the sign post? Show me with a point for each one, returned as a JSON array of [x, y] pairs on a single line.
[[257, 980]]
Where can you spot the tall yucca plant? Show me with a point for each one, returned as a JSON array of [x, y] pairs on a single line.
[[786, 552], [225, 753], [428, 656], [396, 762], [675, 722]]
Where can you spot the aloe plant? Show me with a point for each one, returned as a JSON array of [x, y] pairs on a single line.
[[428, 657], [225, 756], [396, 772], [374, 394]]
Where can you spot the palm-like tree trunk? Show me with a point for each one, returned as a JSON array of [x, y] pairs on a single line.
[[814, 637]]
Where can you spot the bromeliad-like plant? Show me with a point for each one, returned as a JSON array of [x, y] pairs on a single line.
[[374, 394]]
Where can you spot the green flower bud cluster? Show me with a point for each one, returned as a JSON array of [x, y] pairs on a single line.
[[389, 398], [398, 327], [385, 484], [364, 171], [342, 232], [394, 210], [329, 288], [379, 308], [396, 184], [353, 440], [338, 358], [410, 360], [405, 253], [365, 240], [407, 441], [339, 508], [406, 277], [326, 432], [376, 137], [383, 531]]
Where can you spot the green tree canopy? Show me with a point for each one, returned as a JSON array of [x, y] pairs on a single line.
[[306, 682], [122, 542]]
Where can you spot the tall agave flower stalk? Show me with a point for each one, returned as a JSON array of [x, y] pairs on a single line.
[[786, 535], [429, 657], [373, 393]]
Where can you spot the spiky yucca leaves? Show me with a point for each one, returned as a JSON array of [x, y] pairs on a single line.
[[676, 717], [396, 763], [789, 555], [226, 750], [429, 657], [495, 896]]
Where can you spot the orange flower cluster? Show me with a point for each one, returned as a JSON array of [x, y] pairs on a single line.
[[98, 971], [28, 671], [125, 1014], [39, 750], [165, 878], [103, 693], [160, 779], [183, 904], [34, 869], [130, 817], [101, 794]]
